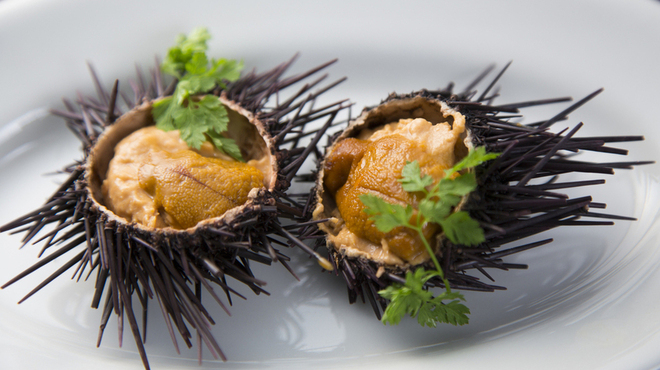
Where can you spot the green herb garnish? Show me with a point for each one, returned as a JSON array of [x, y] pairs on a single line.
[[411, 298], [436, 206], [198, 119]]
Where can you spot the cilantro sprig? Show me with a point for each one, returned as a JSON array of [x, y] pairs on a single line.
[[411, 298], [198, 119], [437, 206]]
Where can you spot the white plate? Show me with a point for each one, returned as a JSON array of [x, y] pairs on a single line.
[[589, 300]]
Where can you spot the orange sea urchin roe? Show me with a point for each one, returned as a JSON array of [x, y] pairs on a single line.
[[191, 188], [156, 180], [373, 166]]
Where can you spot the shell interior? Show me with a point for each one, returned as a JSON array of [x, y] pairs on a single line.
[[249, 133], [371, 120]]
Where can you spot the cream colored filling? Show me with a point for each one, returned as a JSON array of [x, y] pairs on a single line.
[[350, 244], [439, 140], [121, 189]]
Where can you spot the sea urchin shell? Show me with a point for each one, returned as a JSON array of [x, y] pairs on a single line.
[[508, 205], [130, 260]]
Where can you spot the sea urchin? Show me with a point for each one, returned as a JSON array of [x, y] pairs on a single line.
[[175, 262], [377, 245]]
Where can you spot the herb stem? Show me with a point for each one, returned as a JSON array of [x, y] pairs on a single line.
[[430, 251]]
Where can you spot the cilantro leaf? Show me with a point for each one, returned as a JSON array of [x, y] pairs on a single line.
[[453, 312], [198, 119], [412, 299], [385, 215], [474, 158], [197, 64], [404, 302], [411, 178], [460, 228], [229, 146], [215, 116], [224, 69], [163, 108], [435, 211], [181, 53], [184, 120], [462, 185]]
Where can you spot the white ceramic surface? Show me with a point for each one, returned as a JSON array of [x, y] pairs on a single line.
[[589, 300]]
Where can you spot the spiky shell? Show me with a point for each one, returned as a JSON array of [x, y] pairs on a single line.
[[130, 260], [507, 205]]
